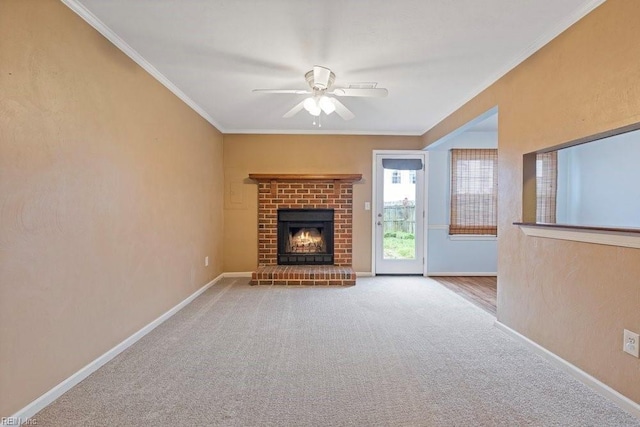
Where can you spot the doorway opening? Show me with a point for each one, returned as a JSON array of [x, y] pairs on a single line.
[[399, 212]]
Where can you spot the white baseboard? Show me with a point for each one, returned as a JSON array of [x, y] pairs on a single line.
[[43, 401], [237, 274], [364, 274], [462, 273], [622, 401]]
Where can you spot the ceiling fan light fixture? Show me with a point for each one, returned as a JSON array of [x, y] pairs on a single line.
[[326, 105], [320, 80], [311, 105]]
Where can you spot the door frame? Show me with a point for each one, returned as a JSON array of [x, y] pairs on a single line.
[[374, 192]]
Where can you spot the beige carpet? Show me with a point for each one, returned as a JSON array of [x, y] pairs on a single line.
[[391, 351]]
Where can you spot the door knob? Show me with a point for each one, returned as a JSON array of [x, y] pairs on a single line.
[[379, 215], [379, 223]]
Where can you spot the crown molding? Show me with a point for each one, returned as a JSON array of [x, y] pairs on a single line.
[[319, 132], [110, 35], [537, 44]]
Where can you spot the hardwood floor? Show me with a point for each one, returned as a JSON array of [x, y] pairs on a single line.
[[480, 290]]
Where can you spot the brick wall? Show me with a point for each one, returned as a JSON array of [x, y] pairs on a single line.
[[274, 195]]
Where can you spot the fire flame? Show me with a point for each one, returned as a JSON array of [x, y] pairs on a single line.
[[306, 241]]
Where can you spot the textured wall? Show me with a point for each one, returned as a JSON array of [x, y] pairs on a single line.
[[572, 298], [110, 198], [245, 154]]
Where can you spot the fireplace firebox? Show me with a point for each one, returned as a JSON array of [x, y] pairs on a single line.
[[305, 236]]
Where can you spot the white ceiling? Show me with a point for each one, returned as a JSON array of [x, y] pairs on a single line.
[[432, 55]]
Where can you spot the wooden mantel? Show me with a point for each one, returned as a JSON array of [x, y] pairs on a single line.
[[305, 177], [336, 178]]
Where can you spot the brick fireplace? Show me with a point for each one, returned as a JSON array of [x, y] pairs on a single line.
[[284, 194]]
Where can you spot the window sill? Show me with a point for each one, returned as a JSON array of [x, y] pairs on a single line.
[[472, 237], [625, 237]]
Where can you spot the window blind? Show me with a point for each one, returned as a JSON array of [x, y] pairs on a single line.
[[546, 186], [402, 164], [474, 191]]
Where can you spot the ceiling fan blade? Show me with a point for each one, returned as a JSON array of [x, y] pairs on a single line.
[[341, 110], [321, 76], [295, 110], [367, 92], [292, 91]]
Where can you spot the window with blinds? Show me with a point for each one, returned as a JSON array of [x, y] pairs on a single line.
[[546, 186], [474, 191]]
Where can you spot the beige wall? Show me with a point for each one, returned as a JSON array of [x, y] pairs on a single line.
[[111, 195], [572, 298], [245, 154], [110, 198]]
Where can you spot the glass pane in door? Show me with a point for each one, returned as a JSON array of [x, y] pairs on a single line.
[[399, 214]]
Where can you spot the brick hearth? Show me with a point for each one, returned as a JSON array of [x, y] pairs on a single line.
[[304, 275], [304, 192]]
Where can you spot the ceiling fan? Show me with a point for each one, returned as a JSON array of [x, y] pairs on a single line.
[[320, 81]]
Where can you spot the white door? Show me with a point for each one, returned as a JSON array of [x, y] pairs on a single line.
[[399, 212]]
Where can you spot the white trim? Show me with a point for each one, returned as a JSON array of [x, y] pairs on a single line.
[[110, 35], [364, 274], [438, 227], [46, 399], [374, 201], [598, 386], [463, 273], [538, 44], [611, 238], [542, 40], [425, 215], [316, 131], [237, 274], [374, 191]]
